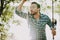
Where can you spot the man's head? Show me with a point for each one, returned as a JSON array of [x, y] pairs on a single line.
[[34, 8]]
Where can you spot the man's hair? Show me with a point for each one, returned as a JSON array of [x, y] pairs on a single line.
[[38, 5]]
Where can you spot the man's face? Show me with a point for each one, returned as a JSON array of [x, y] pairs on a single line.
[[34, 9]]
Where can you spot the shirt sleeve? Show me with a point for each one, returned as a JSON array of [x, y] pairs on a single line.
[[20, 13], [50, 23]]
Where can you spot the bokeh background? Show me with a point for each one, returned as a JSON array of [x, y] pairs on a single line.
[[13, 27]]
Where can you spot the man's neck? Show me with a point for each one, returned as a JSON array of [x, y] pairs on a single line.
[[37, 16]]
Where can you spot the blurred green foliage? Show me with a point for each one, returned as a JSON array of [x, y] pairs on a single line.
[[7, 13]]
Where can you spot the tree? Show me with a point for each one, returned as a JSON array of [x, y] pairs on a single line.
[[6, 12]]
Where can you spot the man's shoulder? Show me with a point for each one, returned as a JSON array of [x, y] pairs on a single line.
[[44, 15]]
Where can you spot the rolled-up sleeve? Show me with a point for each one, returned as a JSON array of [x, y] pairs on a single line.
[[50, 23], [20, 13]]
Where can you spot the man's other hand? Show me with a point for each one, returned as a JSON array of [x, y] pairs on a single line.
[[53, 32]]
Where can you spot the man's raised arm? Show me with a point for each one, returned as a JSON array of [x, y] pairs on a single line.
[[18, 10], [20, 5]]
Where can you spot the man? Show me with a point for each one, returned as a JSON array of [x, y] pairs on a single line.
[[36, 21]]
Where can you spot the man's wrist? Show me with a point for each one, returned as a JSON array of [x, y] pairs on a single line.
[[53, 28]]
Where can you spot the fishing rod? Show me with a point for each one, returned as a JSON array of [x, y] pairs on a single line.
[[54, 20]]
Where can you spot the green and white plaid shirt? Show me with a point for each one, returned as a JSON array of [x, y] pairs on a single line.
[[37, 27]]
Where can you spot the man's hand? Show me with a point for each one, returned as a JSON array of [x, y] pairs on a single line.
[[24, 0], [53, 32]]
